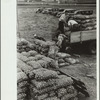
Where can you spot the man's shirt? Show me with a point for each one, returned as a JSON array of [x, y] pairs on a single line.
[[72, 22]]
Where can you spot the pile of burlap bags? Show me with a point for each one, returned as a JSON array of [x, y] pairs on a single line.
[[48, 85], [87, 22], [62, 59], [42, 46], [57, 12], [22, 85], [65, 59], [24, 45], [21, 63], [31, 60], [44, 84], [50, 11], [38, 45], [40, 82], [41, 50], [26, 63]]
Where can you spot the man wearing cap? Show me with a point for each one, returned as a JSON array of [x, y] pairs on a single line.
[[60, 37], [62, 21]]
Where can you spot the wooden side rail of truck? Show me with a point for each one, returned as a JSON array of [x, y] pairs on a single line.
[[88, 37]]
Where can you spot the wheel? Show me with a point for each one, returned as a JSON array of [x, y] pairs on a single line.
[[92, 47]]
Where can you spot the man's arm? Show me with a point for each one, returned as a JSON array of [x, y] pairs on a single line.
[[66, 24]]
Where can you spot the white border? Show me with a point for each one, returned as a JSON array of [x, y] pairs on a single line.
[[97, 49], [8, 50]]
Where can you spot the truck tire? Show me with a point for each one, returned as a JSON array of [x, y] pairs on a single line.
[[92, 47]]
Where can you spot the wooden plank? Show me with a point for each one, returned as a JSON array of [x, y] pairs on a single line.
[[88, 35], [82, 36], [75, 37]]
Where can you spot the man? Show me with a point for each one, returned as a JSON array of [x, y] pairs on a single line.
[[73, 25], [59, 36], [62, 21], [62, 42]]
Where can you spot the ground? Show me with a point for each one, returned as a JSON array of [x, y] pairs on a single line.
[[30, 23]]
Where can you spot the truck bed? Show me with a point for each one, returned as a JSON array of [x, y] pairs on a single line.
[[82, 36]]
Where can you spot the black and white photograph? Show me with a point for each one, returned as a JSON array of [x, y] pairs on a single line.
[[56, 50]]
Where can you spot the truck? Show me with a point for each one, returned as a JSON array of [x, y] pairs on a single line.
[[84, 37]]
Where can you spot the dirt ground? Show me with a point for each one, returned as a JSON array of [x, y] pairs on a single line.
[[30, 23]]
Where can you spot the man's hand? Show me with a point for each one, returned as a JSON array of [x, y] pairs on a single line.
[[59, 43], [66, 25], [60, 39]]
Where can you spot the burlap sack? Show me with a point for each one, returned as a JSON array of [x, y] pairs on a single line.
[[34, 64], [21, 90], [61, 92], [23, 66], [21, 96], [21, 76], [44, 74], [21, 57], [19, 70], [22, 84]]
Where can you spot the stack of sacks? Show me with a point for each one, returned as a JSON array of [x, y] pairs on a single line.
[[88, 22], [57, 12], [21, 63], [42, 46], [23, 66], [36, 60], [48, 85], [28, 64], [51, 11], [41, 84], [61, 11], [49, 49], [66, 91], [65, 59], [50, 63], [24, 45], [30, 53], [84, 12], [22, 85]]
